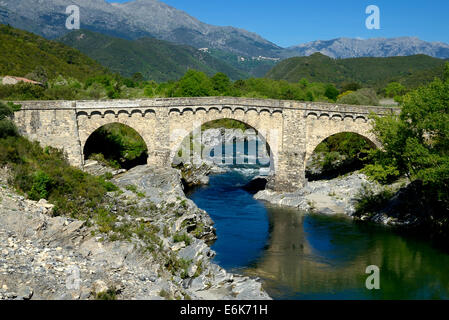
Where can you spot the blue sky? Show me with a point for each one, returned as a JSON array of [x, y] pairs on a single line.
[[290, 22]]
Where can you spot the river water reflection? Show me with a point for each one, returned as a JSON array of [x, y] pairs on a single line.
[[309, 256]]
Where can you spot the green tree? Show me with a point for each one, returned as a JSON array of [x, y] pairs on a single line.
[[446, 72], [7, 127], [303, 83], [416, 142], [221, 83], [331, 92], [394, 89], [194, 84], [39, 74]]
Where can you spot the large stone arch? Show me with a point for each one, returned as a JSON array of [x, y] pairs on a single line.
[[175, 148], [267, 126]]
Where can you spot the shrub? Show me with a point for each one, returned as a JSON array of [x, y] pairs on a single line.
[[365, 96], [110, 294], [368, 201], [46, 174], [382, 174], [182, 237], [5, 111], [7, 129], [41, 186]]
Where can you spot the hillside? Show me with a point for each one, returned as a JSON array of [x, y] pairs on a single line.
[[411, 71], [156, 59], [255, 67], [22, 52]]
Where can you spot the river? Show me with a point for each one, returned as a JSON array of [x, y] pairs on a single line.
[[300, 255]]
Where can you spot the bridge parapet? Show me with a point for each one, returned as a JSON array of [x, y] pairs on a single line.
[[204, 102]]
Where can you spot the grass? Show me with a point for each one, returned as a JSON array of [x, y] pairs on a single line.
[[164, 294], [46, 174], [184, 237], [110, 294]]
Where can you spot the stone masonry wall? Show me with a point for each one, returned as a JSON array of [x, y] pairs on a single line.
[[292, 129], [52, 123]]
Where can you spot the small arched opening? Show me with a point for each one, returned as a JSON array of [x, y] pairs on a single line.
[[337, 155], [116, 145]]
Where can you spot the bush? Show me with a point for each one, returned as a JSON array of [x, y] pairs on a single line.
[[382, 174], [369, 202], [5, 111], [41, 186], [110, 294], [182, 237], [365, 96], [46, 174], [7, 129]]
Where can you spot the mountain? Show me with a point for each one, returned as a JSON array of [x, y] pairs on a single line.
[[23, 53], [239, 48], [133, 20], [411, 71], [377, 47], [254, 66], [156, 59]]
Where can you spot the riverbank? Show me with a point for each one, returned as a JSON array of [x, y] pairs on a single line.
[[152, 246], [402, 205], [335, 196]]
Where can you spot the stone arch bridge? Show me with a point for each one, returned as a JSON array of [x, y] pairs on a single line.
[[292, 129]]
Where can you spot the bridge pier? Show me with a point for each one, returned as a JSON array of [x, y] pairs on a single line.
[[290, 173], [159, 158]]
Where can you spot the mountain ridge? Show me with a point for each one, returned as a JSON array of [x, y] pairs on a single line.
[[344, 47]]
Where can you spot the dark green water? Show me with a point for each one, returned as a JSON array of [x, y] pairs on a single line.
[[310, 256]]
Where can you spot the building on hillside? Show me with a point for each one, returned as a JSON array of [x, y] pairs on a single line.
[[16, 80]]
